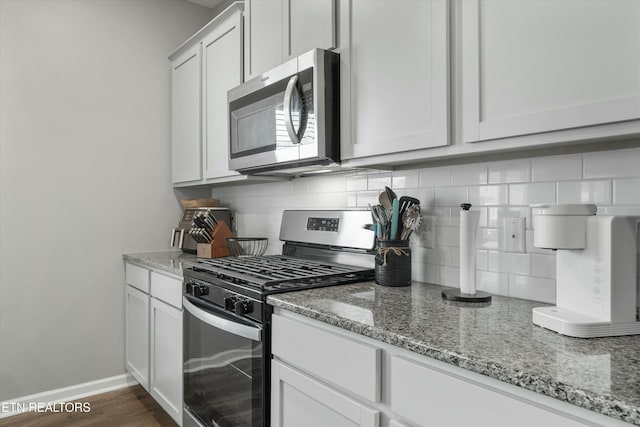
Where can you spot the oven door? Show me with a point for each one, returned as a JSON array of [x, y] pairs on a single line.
[[224, 369]]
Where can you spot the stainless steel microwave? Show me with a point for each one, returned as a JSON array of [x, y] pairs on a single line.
[[287, 120]]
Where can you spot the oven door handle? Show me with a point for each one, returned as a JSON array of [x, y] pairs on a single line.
[[249, 332]]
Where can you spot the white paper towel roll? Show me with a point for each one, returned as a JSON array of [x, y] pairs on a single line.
[[468, 227]]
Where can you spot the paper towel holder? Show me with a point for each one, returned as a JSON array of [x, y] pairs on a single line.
[[456, 294]]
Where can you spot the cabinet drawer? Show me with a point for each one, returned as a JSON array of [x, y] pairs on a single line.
[[428, 396], [137, 277], [346, 363], [167, 289]]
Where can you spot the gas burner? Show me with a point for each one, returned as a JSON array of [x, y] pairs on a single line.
[[277, 273]]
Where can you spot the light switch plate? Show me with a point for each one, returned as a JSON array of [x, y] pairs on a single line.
[[514, 236]]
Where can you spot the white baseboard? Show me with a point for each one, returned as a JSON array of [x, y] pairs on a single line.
[[66, 394]]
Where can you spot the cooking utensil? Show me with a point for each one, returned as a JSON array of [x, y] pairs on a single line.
[[411, 220], [390, 194], [395, 207], [406, 201], [384, 200]]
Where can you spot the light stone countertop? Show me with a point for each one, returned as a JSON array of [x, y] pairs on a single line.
[[497, 339], [168, 261]]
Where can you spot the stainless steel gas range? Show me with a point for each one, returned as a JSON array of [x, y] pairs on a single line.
[[227, 320]]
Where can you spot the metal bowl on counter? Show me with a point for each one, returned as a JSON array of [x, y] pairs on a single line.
[[247, 246]]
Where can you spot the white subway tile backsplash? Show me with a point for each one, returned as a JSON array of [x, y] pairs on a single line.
[[366, 198], [405, 179], [329, 184], [598, 192], [473, 174], [527, 194], [510, 171], [447, 276], [495, 283], [435, 177], [532, 288], [509, 262], [556, 168], [378, 181], [482, 260], [497, 190], [451, 196], [356, 183], [496, 215], [488, 195], [426, 196], [447, 236], [612, 164], [488, 238], [626, 191]]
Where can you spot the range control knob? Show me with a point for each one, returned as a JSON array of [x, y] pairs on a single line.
[[243, 306], [230, 303], [198, 290], [189, 288]]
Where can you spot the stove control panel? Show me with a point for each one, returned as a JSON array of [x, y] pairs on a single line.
[[323, 224], [238, 305]]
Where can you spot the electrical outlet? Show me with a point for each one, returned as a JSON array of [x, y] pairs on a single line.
[[514, 235], [425, 235]]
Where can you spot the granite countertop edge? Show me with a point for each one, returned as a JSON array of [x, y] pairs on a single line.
[[603, 404], [169, 261]]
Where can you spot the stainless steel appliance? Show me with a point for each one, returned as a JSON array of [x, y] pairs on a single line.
[[286, 121], [227, 321], [181, 237]]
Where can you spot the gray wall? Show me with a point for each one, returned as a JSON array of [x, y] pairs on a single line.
[[84, 177]]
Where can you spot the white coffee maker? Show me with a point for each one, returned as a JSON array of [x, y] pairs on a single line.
[[597, 286]]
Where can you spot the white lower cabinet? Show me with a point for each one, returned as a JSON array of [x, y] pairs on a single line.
[[166, 357], [300, 400], [414, 390], [153, 337], [137, 335], [428, 396]]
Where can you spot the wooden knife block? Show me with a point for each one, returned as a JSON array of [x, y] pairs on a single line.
[[218, 246]]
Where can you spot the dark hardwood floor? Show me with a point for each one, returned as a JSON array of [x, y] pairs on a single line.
[[131, 406]]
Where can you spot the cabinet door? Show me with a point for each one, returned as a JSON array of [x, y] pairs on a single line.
[[530, 66], [298, 400], [137, 334], [185, 109], [428, 396], [308, 24], [221, 71], [166, 358], [263, 36], [394, 76]]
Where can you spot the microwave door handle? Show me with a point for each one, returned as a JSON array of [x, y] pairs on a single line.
[[288, 120]]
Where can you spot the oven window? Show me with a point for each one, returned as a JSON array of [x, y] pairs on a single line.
[[223, 374]]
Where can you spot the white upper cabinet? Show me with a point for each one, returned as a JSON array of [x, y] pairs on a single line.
[[204, 68], [276, 30], [394, 76], [221, 71], [308, 24], [185, 138], [531, 66]]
